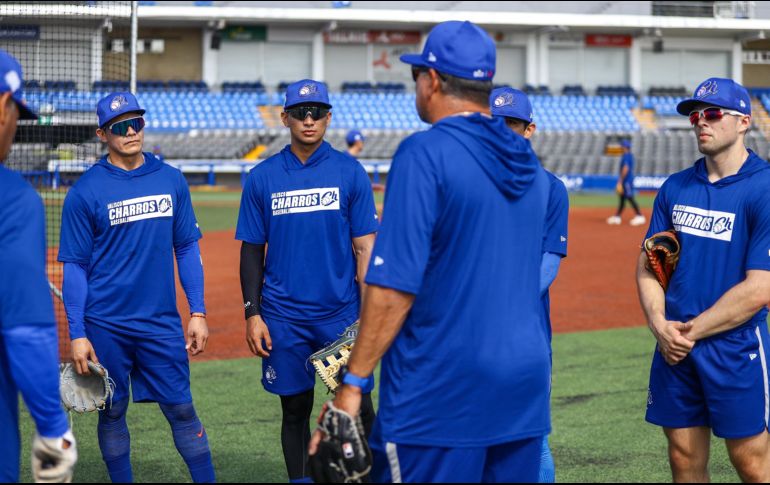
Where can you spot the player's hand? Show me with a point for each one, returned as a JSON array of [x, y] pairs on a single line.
[[256, 332], [348, 399], [197, 335], [53, 459], [673, 342], [619, 188], [82, 352]]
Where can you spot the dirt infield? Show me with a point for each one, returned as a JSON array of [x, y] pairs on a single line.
[[595, 288]]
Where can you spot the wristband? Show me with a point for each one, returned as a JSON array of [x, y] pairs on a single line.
[[354, 380]]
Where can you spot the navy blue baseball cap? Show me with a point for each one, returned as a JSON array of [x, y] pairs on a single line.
[[354, 136], [11, 81], [306, 91], [461, 49], [717, 91], [115, 104], [511, 103], [625, 143]]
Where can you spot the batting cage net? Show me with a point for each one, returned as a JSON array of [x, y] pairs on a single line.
[[71, 54]]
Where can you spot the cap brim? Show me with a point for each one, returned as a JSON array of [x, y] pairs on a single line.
[[24, 112], [685, 107], [138, 111], [308, 102], [413, 59]]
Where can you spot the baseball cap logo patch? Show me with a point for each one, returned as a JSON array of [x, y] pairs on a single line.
[[707, 89], [117, 103], [504, 99], [431, 57], [307, 90], [12, 80], [479, 73]]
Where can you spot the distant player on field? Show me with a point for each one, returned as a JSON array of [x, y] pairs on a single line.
[[709, 371], [625, 188], [452, 300], [29, 348], [355, 141], [123, 223], [312, 209], [514, 106]]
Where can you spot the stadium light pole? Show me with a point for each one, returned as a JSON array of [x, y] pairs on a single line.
[[134, 39]]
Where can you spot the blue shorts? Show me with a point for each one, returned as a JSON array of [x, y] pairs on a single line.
[[288, 370], [722, 384], [628, 189], [157, 368], [514, 462]]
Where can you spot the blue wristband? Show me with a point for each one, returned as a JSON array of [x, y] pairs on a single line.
[[354, 380]]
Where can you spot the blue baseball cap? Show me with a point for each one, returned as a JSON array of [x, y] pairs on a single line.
[[717, 91], [511, 103], [461, 49], [354, 136], [306, 91], [625, 143], [115, 104], [11, 80]]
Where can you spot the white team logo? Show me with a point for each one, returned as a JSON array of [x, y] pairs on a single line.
[[707, 89], [752, 356], [164, 205], [306, 200], [704, 223], [12, 80], [504, 99], [329, 198], [378, 261], [431, 57], [140, 208], [270, 374], [117, 102], [307, 90], [563, 239], [479, 73], [743, 104]]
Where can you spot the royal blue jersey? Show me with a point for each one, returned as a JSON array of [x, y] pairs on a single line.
[[627, 160], [724, 231], [124, 225], [308, 214], [555, 238], [462, 231]]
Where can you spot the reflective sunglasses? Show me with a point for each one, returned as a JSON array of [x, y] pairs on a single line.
[[302, 112], [417, 70], [711, 114], [120, 128]]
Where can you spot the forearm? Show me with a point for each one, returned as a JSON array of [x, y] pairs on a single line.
[[651, 296], [33, 358], [383, 315], [733, 309], [75, 294], [252, 267], [188, 259], [362, 248]]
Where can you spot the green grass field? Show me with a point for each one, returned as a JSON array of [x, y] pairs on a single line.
[[599, 433]]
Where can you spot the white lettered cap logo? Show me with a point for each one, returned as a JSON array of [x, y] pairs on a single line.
[[307, 90], [117, 102]]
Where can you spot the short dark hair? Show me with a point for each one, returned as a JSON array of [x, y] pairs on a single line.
[[467, 89]]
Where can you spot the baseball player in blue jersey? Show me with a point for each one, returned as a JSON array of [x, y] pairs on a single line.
[[452, 300], [313, 208], [355, 141], [625, 187], [709, 370], [123, 223], [29, 348], [514, 106]]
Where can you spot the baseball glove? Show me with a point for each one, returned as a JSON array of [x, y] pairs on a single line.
[[343, 454], [662, 256], [329, 360], [85, 393]]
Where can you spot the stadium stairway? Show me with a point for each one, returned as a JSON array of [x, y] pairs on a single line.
[[646, 119], [760, 117], [271, 115]]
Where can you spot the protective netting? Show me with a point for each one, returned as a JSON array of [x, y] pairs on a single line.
[[72, 54]]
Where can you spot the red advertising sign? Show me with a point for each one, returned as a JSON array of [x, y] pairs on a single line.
[[395, 37], [606, 40]]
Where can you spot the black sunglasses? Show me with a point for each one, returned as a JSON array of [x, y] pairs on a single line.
[[302, 112], [417, 70], [120, 128]]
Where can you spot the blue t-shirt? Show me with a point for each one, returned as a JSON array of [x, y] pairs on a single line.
[[627, 160], [307, 214], [24, 294], [723, 230], [124, 226], [555, 238], [462, 230]]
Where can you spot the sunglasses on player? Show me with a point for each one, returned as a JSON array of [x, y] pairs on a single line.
[[711, 114], [302, 112], [120, 128], [417, 70]]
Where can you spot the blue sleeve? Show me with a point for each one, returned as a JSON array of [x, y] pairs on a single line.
[[33, 359], [661, 215], [403, 243], [77, 230], [362, 213], [185, 225], [75, 293], [188, 259], [25, 297], [555, 236], [759, 242], [251, 218], [549, 268]]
